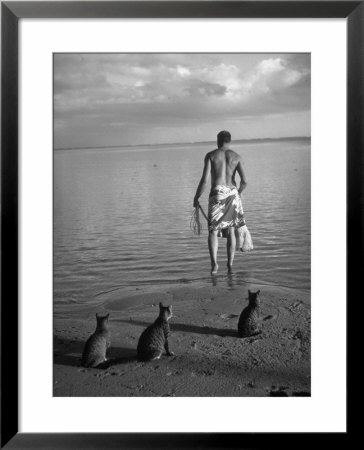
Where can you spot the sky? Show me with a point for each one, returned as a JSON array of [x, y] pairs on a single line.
[[130, 99]]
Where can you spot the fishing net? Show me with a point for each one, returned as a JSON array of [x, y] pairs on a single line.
[[195, 222]]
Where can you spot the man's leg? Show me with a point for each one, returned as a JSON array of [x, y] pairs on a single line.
[[213, 246], [230, 247]]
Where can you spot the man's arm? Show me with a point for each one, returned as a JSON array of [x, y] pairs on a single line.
[[202, 185], [243, 182]]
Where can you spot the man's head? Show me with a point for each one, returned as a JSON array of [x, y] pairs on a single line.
[[224, 137]]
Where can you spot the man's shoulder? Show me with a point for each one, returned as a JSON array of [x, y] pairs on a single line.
[[210, 154], [233, 154]]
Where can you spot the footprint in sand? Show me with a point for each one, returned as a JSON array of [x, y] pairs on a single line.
[[270, 317], [102, 375], [228, 316], [293, 307]]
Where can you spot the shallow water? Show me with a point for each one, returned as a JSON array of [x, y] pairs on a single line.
[[122, 220]]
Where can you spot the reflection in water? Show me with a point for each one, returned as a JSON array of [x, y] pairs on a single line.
[[214, 279], [122, 220], [230, 280]]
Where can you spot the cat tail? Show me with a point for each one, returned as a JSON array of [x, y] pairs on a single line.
[[84, 362], [150, 356], [255, 333], [92, 364]]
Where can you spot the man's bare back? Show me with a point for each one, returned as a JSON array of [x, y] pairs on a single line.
[[223, 167], [222, 164]]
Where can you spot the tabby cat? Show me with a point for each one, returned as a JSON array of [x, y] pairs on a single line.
[[155, 338], [248, 324], [97, 344]]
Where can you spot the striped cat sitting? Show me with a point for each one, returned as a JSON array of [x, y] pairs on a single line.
[[154, 339], [248, 324], [97, 344]]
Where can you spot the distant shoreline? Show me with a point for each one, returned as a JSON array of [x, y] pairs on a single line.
[[238, 141]]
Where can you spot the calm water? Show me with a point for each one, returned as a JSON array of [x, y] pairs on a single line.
[[122, 220]]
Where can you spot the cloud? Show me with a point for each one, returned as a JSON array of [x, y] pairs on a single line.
[[201, 88], [111, 92], [183, 71]]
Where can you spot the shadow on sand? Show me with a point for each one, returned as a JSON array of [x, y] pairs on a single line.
[[68, 352], [222, 332]]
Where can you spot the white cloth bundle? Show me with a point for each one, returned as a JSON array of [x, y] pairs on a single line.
[[244, 241]]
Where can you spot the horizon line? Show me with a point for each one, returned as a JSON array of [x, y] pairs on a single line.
[[180, 143]]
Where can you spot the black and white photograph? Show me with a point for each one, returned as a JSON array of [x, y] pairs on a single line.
[[181, 224]]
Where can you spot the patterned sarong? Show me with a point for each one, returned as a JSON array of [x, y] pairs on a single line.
[[225, 209]]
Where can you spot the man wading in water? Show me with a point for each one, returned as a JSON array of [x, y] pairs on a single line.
[[225, 213]]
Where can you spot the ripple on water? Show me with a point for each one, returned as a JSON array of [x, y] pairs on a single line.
[[111, 235]]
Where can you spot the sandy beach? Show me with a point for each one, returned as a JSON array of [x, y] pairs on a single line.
[[210, 359]]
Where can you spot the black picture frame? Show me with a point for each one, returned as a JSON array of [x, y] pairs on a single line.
[[11, 13]]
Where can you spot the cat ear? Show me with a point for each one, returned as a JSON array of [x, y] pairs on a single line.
[[258, 292], [107, 315], [249, 291]]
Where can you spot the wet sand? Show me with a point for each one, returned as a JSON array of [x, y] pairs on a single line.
[[210, 359]]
